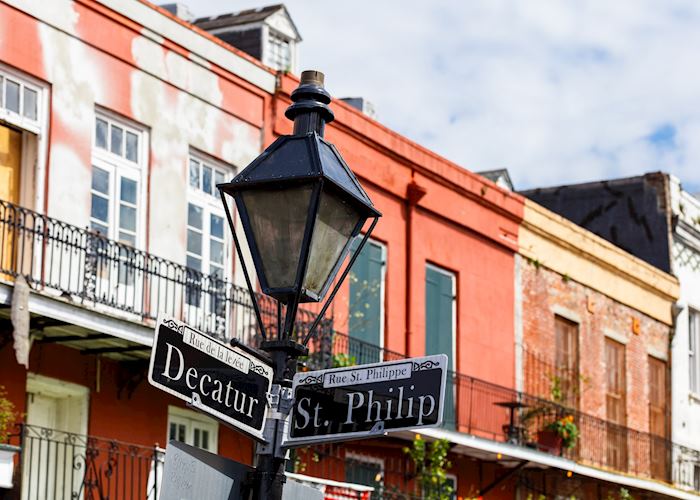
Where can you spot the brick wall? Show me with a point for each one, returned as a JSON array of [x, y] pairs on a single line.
[[546, 294]]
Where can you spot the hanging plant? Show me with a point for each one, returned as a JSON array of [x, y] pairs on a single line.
[[566, 429]]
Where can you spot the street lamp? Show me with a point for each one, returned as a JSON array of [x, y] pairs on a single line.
[[300, 208]]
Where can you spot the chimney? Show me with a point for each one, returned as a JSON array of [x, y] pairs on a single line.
[[180, 10]]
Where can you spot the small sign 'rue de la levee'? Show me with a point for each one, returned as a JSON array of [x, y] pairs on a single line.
[[361, 401], [226, 382]]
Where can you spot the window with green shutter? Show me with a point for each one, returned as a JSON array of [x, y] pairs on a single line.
[[440, 326], [366, 296]]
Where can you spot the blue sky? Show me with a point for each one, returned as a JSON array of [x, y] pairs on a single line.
[[556, 91]]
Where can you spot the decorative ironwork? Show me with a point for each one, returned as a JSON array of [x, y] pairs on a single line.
[[83, 266], [686, 256], [311, 379], [425, 365], [59, 464]]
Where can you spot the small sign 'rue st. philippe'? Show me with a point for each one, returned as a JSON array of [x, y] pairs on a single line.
[[360, 401], [226, 382]]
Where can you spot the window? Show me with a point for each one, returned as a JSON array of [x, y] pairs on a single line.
[[116, 181], [207, 243], [566, 362], [193, 428], [117, 139], [280, 52], [19, 100], [615, 404], [368, 471], [696, 477], [204, 176], [365, 322], [440, 325], [693, 354]]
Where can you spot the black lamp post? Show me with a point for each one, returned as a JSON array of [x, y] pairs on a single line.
[[300, 208]]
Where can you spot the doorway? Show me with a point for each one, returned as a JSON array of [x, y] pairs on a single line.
[[55, 442], [10, 169]]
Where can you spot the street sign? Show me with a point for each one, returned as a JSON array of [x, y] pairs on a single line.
[[226, 382], [192, 474], [366, 400]]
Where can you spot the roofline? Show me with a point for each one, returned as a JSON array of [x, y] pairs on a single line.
[[603, 182]]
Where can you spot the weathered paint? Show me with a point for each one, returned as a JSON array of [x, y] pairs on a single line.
[[464, 223], [570, 250]]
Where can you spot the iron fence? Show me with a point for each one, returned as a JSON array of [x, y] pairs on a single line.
[[84, 266], [63, 465]]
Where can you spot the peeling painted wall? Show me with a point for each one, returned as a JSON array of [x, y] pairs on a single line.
[[181, 103]]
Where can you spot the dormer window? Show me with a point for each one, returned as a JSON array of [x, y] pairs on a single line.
[[279, 52]]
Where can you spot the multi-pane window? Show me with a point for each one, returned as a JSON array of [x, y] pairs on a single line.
[[206, 240], [280, 52], [193, 429], [116, 176], [117, 139], [116, 193], [566, 378], [693, 354], [203, 176], [19, 100]]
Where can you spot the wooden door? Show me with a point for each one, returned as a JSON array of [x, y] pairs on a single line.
[[658, 424], [566, 377], [616, 404], [10, 165]]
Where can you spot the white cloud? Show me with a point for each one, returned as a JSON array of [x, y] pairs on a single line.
[[557, 91]]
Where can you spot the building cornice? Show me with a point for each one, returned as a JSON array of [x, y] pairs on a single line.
[[572, 251]]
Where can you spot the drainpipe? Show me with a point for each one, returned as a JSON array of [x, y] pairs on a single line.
[[414, 193]]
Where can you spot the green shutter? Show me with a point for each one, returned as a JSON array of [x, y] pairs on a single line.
[[365, 321], [439, 330]]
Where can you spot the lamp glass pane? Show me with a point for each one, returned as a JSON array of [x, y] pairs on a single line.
[[278, 218], [334, 224]]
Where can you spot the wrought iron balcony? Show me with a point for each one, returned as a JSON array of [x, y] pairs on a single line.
[[87, 268], [59, 464], [472, 408]]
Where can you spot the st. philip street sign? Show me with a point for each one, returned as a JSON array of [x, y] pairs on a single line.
[[365, 400], [226, 382]]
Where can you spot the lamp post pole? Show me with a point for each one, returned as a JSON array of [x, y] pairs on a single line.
[[300, 208]]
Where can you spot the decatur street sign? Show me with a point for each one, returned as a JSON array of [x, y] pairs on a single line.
[[360, 401], [226, 382]]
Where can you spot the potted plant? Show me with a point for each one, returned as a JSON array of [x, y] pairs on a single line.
[[7, 452], [565, 432]]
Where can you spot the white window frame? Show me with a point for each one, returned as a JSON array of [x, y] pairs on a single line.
[[117, 167], [275, 42], [694, 351], [210, 204], [192, 419], [18, 119], [33, 161]]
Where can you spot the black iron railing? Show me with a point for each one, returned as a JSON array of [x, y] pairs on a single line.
[[472, 406], [59, 464], [85, 267]]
